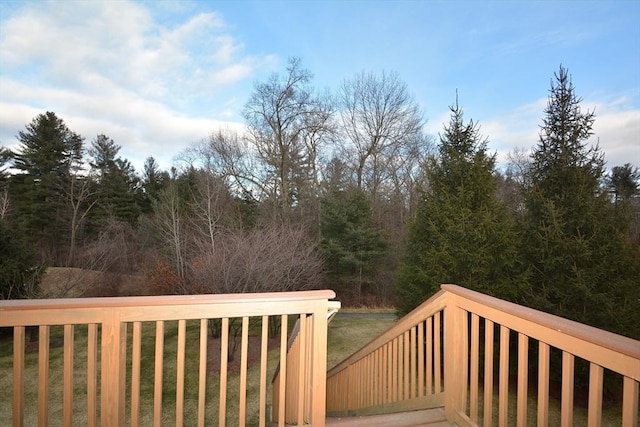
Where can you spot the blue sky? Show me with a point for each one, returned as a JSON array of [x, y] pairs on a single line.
[[157, 76]]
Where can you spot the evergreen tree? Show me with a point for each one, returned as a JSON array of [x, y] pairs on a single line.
[[581, 265], [350, 242], [19, 272], [462, 233], [153, 181], [118, 190], [624, 182], [48, 155]]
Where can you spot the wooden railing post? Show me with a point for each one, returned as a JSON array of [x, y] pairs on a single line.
[[456, 356], [112, 377], [319, 364], [453, 343]]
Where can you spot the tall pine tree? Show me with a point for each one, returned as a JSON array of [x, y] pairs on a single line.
[[462, 233], [48, 155], [117, 187], [581, 265], [350, 243]]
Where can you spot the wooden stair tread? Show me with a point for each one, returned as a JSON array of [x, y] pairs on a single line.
[[424, 418]]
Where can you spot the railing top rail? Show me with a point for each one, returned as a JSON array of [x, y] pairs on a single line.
[[615, 342], [163, 300]]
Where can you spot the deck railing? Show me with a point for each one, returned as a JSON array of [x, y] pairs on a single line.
[[432, 358], [113, 327]]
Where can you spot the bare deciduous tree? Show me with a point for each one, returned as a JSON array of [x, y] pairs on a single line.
[[5, 156], [211, 199], [78, 194], [379, 118], [227, 154], [269, 259], [169, 223], [4, 201], [285, 125]]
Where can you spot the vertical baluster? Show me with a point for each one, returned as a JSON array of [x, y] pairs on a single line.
[[385, 372], [543, 384], [474, 376], [391, 371], [224, 358], [359, 385], [367, 380], [302, 368], [354, 384], [244, 344], [503, 389], [405, 366], [67, 373], [308, 375], [380, 375], [437, 351], [92, 372], [566, 405], [135, 373], [180, 360], [595, 395], [429, 362], [488, 373], [264, 345], [159, 371], [523, 376], [463, 321], [421, 359], [394, 368], [202, 371], [283, 369], [630, 394], [412, 374], [18, 375], [43, 375]]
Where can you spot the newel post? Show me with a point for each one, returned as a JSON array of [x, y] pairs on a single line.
[[319, 364], [113, 369], [456, 356]]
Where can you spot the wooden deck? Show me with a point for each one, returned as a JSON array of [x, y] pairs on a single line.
[[424, 418]]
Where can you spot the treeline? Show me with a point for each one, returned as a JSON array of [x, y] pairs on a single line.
[[337, 189]]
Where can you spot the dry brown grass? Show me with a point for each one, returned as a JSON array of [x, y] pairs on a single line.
[[67, 282]]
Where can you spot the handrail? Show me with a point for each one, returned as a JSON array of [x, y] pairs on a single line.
[[400, 369], [161, 300], [600, 337], [108, 323]]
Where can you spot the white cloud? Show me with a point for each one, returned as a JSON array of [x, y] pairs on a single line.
[[143, 128], [617, 131], [108, 67]]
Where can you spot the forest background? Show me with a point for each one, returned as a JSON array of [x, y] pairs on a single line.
[[334, 189]]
